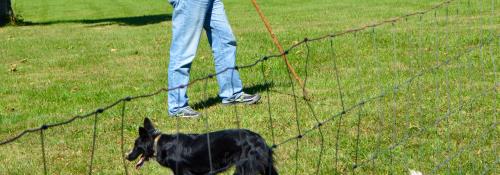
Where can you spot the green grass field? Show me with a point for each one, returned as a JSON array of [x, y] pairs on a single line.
[[72, 57]]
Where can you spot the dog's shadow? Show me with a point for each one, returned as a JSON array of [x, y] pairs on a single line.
[[211, 101]]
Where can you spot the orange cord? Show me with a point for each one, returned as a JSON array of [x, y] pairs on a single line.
[[280, 48]]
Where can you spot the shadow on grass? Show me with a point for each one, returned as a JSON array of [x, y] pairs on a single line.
[[211, 101], [130, 21]]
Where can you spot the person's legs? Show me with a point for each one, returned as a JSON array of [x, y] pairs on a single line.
[[187, 22], [223, 45]]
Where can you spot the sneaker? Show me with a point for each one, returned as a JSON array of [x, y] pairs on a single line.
[[244, 98], [186, 112]]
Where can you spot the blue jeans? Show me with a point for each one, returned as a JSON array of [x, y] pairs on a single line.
[[189, 18]]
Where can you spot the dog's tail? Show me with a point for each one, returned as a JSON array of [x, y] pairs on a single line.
[[259, 161], [260, 158], [270, 169]]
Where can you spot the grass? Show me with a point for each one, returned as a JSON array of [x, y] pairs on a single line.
[[73, 58]]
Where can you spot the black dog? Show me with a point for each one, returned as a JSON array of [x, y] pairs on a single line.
[[188, 153]]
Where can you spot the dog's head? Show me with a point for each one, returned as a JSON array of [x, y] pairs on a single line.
[[144, 144]]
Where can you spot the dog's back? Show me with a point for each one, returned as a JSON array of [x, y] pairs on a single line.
[[188, 153]]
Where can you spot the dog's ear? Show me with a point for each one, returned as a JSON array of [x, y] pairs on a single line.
[[148, 125], [143, 132]]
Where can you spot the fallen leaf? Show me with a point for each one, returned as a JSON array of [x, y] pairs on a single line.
[[74, 89], [13, 68]]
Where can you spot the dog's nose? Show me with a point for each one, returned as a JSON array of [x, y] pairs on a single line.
[[127, 156]]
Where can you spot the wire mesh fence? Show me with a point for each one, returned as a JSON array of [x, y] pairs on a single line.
[[407, 93]]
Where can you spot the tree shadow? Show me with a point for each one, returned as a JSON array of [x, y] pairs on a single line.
[[211, 101], [128, 21]]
